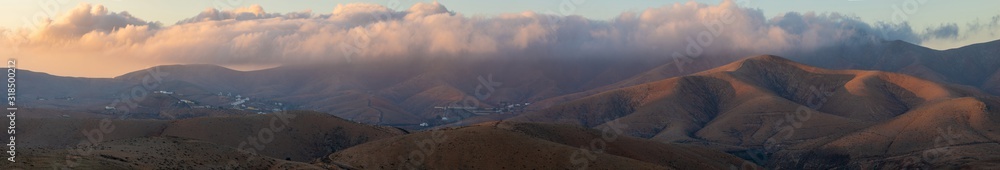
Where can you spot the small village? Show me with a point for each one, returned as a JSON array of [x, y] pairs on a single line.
[[220, 100], [455, 113]]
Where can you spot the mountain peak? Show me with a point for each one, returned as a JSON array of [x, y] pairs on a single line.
[[758, 63], [193, 67], [768, 58], [180, 69], [770, 62]]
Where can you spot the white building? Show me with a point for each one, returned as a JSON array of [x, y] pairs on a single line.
[[238, 102]]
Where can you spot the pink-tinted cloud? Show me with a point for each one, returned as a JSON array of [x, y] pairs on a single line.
[[363, 31], [85, 19]]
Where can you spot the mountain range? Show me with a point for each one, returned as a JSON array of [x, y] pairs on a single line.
[[404, 92], [878, 105]]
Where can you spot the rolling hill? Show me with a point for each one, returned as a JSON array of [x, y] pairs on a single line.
[[516, 145], [405, 92], [793, 115], [152, 153], [293, 136]]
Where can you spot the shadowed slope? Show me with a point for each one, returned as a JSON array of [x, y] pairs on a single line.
[[781, 107], [295, 135], [151, 153], [499, 145]]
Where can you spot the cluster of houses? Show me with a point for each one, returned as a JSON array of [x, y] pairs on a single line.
[[461, 112], [238, 102], [66, 98], [504, 108]]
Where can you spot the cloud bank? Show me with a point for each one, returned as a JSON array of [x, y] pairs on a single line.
[[86, 19], [349, 32]]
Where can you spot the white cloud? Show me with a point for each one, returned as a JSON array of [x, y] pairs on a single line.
[[86, 19], [246, 13], [361, 31], [943, 31]]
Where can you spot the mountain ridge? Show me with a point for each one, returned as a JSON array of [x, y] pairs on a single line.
[[727, 108], [412, 88]]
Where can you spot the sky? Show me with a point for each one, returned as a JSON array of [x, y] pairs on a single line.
[[928, 12], [150, 33]]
